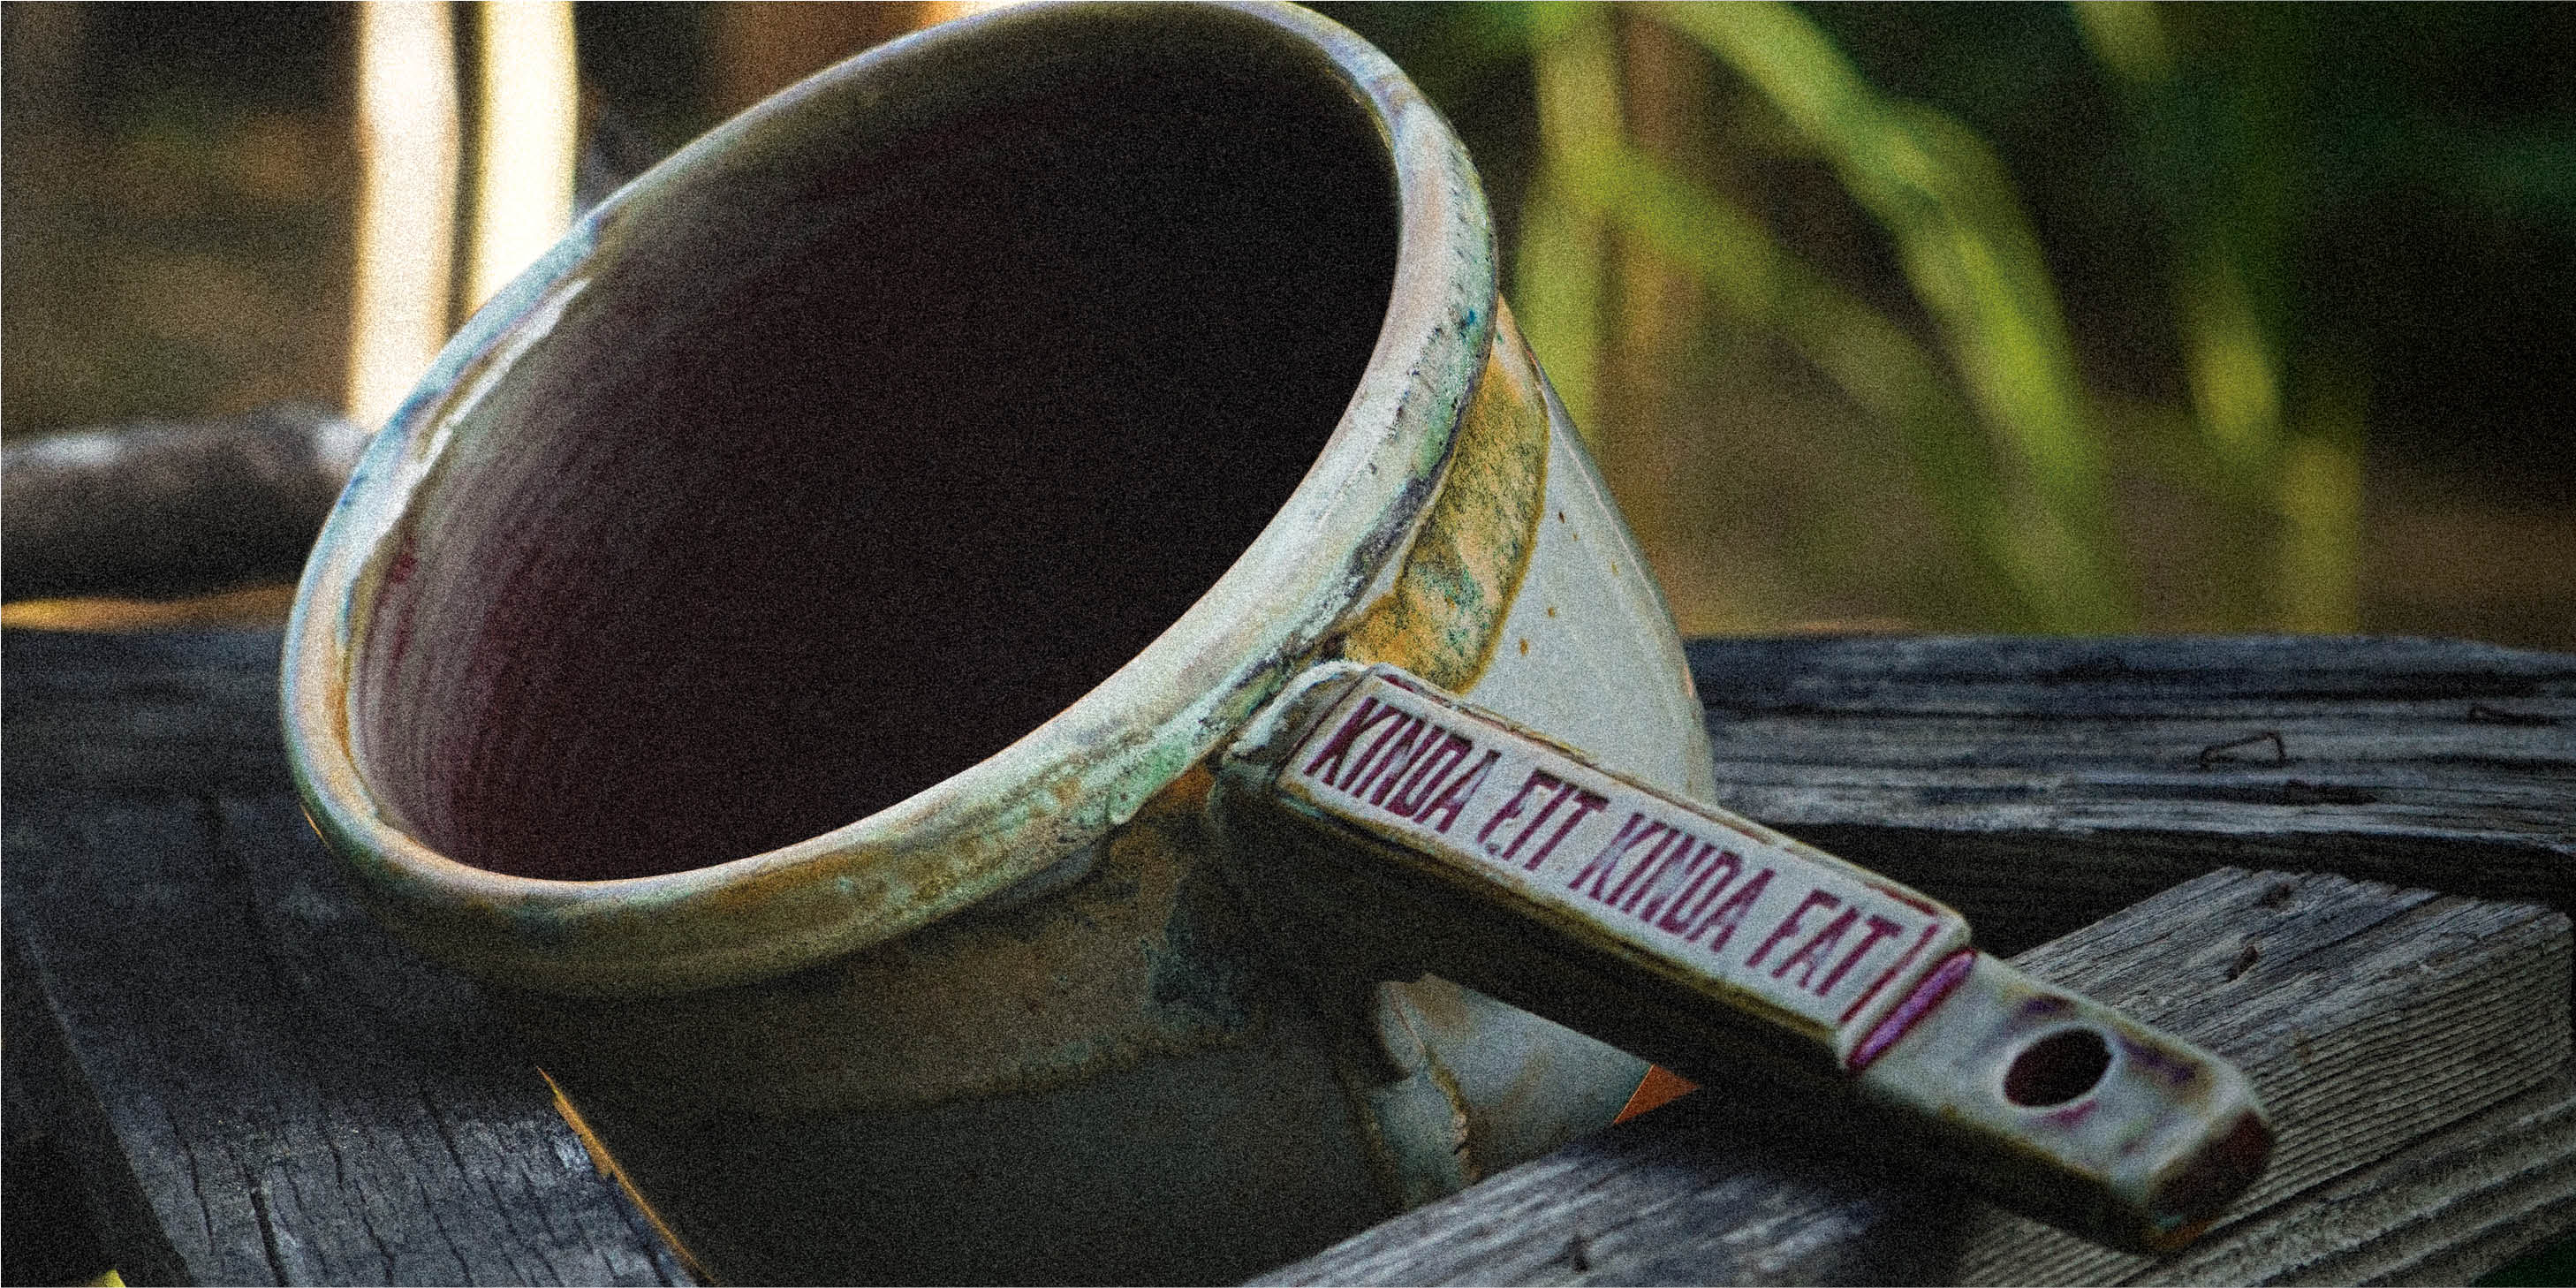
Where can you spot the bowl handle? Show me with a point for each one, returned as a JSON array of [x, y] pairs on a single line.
[[1444, 838]]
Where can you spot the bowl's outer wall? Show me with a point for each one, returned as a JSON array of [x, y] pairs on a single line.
[[1132, 1076]]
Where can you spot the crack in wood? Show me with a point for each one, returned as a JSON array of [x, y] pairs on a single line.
[[2209, 755], [2245, 959], [2493, 715], [210, 983]]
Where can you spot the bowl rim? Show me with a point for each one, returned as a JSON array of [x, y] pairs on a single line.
[[1039, 807]]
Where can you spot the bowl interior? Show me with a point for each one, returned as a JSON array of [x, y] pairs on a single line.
[[860, 453]]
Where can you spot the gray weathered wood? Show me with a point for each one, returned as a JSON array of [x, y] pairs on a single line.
[[2442, 1210], [226, 1041], [163, 509], [2041, 784], [258, 1085], [2370, 1017], [2373, 1019]]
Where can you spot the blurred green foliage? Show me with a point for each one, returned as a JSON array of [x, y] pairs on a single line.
[[2032, 317], [172, 222], [2193, 175]]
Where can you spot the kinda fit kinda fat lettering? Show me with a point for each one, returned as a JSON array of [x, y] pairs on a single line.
[[1808, 935], [825, 646]]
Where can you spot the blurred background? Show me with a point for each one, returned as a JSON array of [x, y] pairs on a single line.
[[2052, 318], [2060, 318]]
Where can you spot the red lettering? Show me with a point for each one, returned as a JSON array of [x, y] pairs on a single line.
[[1339, 749], [1685, 858], [1632, 834], [1816, 951], [1563, 790], [1789, 925], [1351, 779], [1730, 914], [1675, 917], [1584, 805], [1399, 743], [1429, 769], [1639, 877], [1512, 808], [1879, 928], [1461, 790], [1371, 753]]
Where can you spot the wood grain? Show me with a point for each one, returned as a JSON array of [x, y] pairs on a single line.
[[261, 1087], [2042, 784], [257, 1084], [2442, 1210], [154, 509], [2345, 1002], [2374, 1019]]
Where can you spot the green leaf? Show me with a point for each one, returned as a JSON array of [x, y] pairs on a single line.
[[1969, 254]]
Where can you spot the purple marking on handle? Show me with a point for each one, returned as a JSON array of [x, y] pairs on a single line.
[[1916, 1005]]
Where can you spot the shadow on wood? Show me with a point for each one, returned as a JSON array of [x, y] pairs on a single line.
[[2390, 1030], [259, 1086]]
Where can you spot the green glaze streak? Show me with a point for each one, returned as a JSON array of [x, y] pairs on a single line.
[[1041, 802]]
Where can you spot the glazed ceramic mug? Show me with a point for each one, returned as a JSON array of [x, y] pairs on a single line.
[[862, 648]]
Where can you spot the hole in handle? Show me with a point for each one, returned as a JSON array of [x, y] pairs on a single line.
[[2057, 1068]]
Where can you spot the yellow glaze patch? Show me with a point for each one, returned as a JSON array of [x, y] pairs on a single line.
[[1445, 613]]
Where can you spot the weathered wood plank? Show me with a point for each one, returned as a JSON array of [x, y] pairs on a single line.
[[2042, 784], [159, 509], [2374, 1020], [2028, 781], [2443, 1210], [260, 1086], [178, 714], [2344, 1004]]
